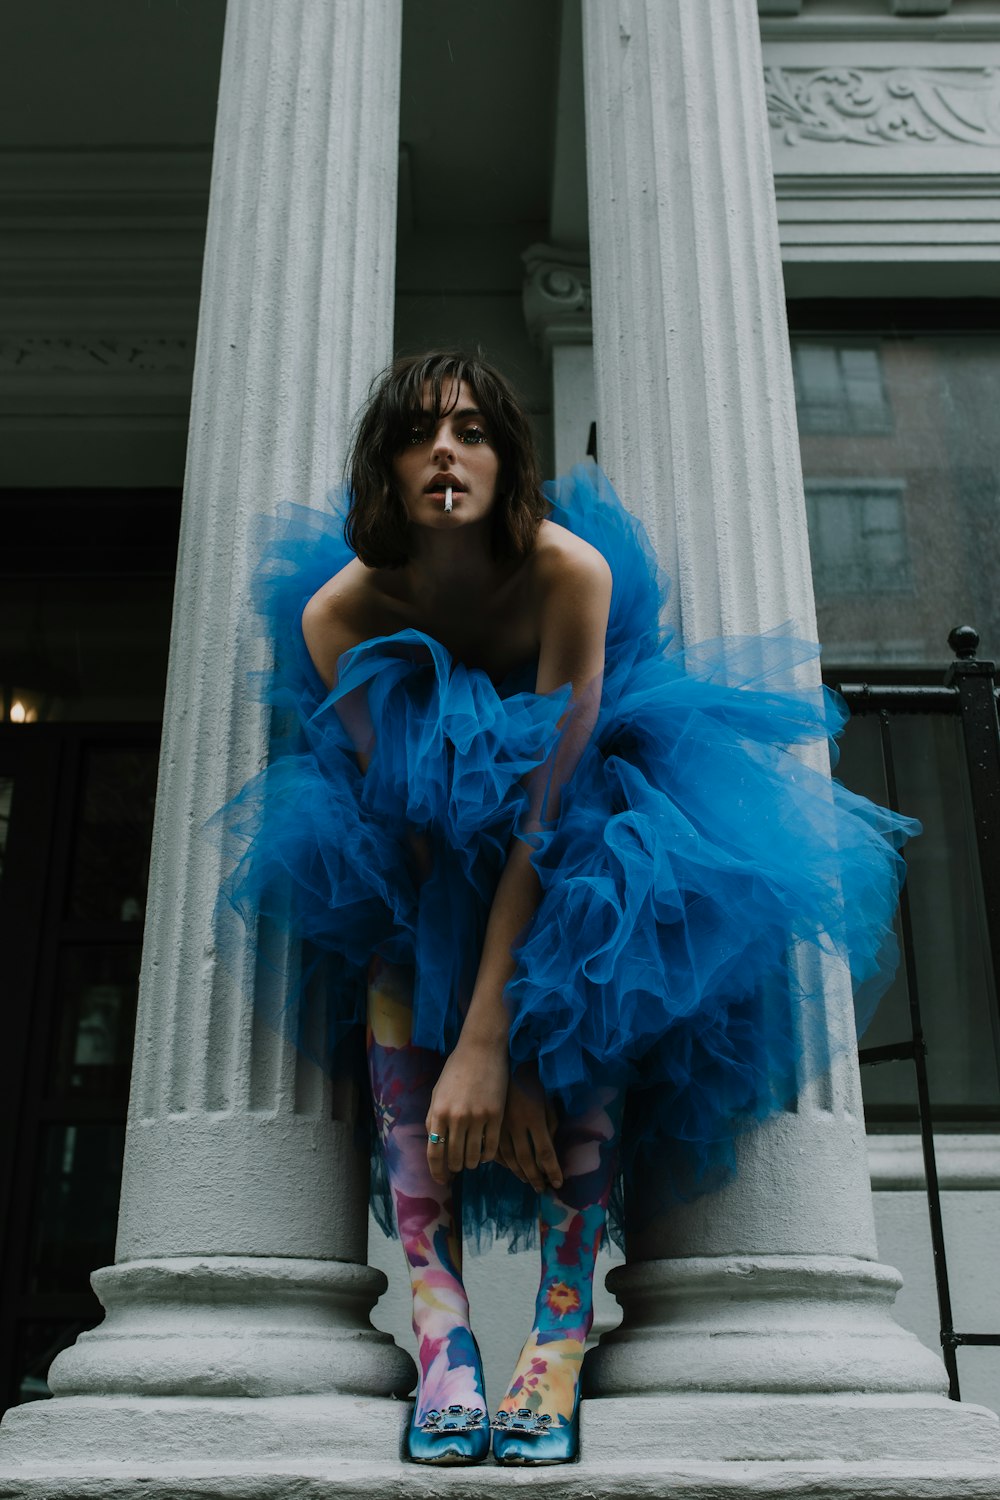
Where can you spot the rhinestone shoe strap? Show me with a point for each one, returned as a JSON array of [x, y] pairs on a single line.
[[452, 1419], [522, 1421]]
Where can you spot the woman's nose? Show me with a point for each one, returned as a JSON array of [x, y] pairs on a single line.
[[444, 443]]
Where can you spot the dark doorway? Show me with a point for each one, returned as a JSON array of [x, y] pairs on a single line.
[[76, 808], [85, 590]]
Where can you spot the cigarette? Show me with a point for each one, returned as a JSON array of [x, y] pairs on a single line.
[[447, 501]]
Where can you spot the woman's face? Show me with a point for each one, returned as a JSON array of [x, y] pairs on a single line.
[[455, 450]]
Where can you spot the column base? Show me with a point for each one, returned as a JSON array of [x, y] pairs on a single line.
[[232, 1326], [806, 1325]]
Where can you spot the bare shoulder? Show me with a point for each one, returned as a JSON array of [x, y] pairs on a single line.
[[573, 599], [564, 563], [338, 616]]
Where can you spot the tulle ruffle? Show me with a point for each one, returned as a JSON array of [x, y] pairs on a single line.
[[697, 874]]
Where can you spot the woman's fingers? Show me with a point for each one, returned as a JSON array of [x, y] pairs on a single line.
[[528, 1136], [467, 1102], [548, 1162], [462, 1147], [508, 1156], [473, 1147], [456, 1146], [491, 1140], [524, 1151], [530, 1160], [437, 1147]]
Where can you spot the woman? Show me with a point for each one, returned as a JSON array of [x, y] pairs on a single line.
[[549, 860]]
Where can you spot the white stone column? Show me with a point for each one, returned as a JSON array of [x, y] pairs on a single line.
[[237, 1311], [757, 1321]]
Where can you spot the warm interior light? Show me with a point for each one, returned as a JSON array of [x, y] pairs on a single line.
[[21, 715]]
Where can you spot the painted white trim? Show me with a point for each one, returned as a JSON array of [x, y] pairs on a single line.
[[963, 1162], [954, 218]]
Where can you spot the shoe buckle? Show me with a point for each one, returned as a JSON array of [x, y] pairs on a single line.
[[523, 1421], [452, 1419]]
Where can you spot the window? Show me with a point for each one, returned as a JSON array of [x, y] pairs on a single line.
[[858, 535], [900, 445], [839, 387]]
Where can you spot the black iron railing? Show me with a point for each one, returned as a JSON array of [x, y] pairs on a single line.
[[969, 692]]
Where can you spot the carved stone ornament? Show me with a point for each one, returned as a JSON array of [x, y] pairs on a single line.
[[556, 295], [885, 106], [44, 355]]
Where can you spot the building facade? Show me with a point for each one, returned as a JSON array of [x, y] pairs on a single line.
[[588, 191]]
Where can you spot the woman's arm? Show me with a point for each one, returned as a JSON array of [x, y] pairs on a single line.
[[472, 1102]]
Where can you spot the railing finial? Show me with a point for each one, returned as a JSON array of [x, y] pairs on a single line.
[[964, 641]]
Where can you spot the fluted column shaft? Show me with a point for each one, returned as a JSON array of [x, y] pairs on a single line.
[[769, 1285], [240, 1268], [230, 1131], [696, 423]]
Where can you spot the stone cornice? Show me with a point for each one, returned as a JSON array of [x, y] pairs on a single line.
[[98, 188], [784, 21], [933, 30], [556, 295], [123, 229], [880, 187]]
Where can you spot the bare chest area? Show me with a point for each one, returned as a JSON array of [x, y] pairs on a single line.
[[497, 635]]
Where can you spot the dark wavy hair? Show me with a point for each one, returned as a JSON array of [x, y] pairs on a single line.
[[377, 526]]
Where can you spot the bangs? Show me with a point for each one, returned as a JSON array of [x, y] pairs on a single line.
[[432, 374]]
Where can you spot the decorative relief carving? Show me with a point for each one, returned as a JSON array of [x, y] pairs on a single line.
[[556, 295], [885, 106], [31, 355], [562, 289]]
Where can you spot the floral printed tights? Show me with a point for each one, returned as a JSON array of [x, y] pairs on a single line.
[[571, 1223]]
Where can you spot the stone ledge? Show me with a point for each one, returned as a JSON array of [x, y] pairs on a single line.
[[901, 1448], [648, 1481]]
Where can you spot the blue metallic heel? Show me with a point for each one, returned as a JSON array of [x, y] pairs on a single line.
[[526, 1437], [454, 1435]]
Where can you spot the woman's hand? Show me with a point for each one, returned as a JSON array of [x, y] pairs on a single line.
[[467, 1107], [527, 1134]]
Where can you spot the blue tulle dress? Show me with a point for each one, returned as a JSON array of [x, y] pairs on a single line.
[[696, 873]]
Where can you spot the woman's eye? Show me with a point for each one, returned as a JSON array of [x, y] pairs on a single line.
[[416, 435], [473, 435]]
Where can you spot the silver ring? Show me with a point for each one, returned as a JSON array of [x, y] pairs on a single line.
[[435, 1139]]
